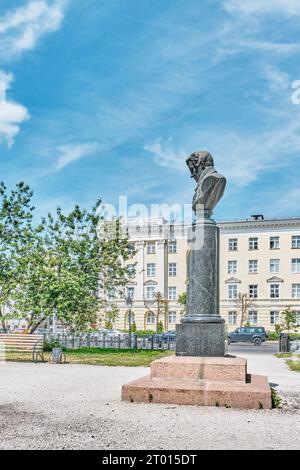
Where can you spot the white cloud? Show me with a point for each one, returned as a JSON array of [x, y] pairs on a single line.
[[72, 152], [164, 155], [242, 158], [288, 7], [21, 28], [279, 79], [11, 114]]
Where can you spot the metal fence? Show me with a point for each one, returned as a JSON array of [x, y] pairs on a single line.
[[106, 341]]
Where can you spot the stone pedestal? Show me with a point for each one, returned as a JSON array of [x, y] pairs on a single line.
[[202, 331], [201, 381], [200, 339]]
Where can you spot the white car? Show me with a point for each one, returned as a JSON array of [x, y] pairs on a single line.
[[113, 333]]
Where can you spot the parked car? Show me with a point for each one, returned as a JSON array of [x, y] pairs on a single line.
[[113, 333], [254, 334], [169, 336]]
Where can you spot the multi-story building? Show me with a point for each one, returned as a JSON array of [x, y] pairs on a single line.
[[258, 257]]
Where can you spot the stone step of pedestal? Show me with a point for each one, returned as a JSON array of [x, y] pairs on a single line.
[[223, 369], [255, 394]]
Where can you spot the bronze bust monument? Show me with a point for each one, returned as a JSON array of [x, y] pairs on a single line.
[[210, 184]]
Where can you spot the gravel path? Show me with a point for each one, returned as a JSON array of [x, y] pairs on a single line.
[[78, 407]]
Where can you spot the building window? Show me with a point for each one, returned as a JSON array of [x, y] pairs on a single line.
[[274, 291], [131, 248], [172, 294], [130, 292], [253, 266], [253, 317], [150, 318], [296, 291], [232, 318], [274, 243], [274, 317], [151, 269], [274, 265], [172, 269], [150, 292], [253, 291], [111, 294], [296, 241], [232, 267], [232, 291], [151, 248], [296, 265], [172, 246], [131, 269], [172, 317], [253, 244], [232, 244]]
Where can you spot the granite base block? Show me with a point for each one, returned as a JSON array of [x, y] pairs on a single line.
[[200, 339], [201, 382]]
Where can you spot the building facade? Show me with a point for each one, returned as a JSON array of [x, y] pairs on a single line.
[[259, 258]]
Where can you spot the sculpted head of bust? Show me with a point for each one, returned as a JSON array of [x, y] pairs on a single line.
[[198, 161], [210, 184]]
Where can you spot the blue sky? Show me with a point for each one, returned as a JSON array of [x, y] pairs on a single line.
[[102, 98]]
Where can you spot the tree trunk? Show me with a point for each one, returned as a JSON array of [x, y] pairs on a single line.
[[3, 323], [33, 328]]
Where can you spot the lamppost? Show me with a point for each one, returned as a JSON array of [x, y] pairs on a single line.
[[129, 305]]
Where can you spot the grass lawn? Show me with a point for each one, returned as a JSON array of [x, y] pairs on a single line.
[[101, 357], [293, 365]]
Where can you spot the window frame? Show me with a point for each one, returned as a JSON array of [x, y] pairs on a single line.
[[151, 269], [273, 296], [150, 251], [254, 241], [234, 246], [254, 289], [172, 289], [296, 265], [256, 265], [231, 287], [276, 241], [253, 312], [174, 313], [232, 262], [172, 269], [275, 264], [295, 237]]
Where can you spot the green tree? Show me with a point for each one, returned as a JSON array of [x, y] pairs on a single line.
[[160, 327], [182, 299], [16, 214], [67, 267], [109, 314], [159, 306], [289, 320], [244, 303]]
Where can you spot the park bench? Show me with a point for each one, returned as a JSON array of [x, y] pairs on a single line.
[[33, 344]]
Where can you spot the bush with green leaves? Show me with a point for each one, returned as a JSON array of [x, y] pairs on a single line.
[[49, 345], [160, 327]]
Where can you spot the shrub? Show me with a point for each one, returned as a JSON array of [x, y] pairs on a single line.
[[49, 345], [276, 400], [160, 327], [108, 325], [273, 336]]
